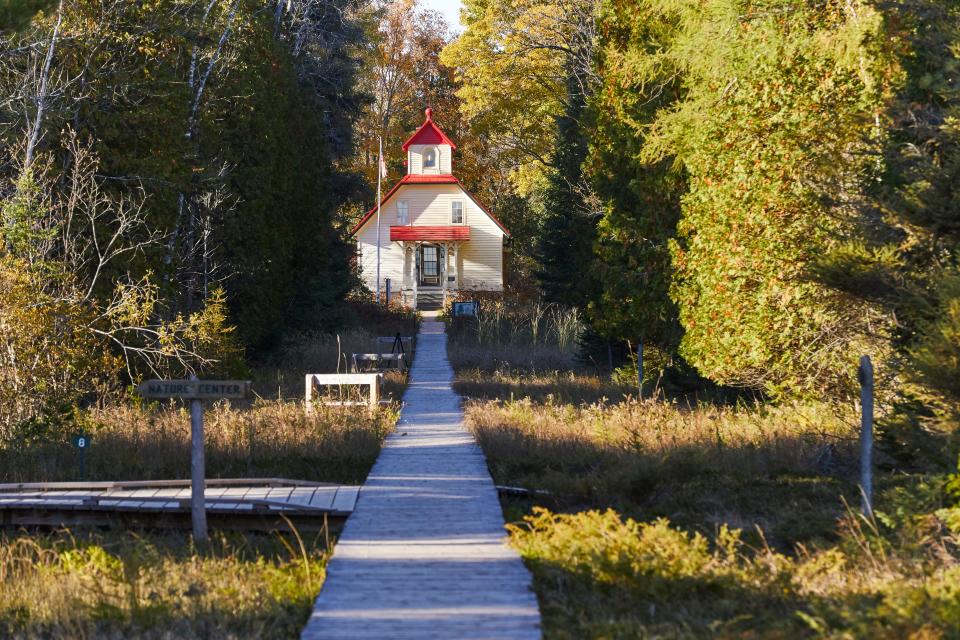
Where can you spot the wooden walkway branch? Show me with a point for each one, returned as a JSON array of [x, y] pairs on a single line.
[[61, 503]]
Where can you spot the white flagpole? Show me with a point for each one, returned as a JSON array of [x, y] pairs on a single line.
[[379, 176]]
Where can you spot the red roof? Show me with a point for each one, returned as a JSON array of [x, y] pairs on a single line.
[[414, 178], [428, 133], [431, 234]]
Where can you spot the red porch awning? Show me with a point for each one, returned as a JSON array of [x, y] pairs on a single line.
[[429, 234]]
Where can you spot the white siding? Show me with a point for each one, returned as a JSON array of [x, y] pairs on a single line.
[[415, 158], [480, 260], [391, 253]]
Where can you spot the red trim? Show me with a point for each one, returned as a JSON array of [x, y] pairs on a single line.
[[433, 234], [413, 178], [428, 133], [427, 178]]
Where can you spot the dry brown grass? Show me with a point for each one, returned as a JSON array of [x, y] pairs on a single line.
[[555, 386], [268, 439], [515, 335], [145, 584], [782, 468]]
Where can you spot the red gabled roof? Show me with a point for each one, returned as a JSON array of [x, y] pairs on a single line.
[[428, 133], [430, 234], [415, 178]]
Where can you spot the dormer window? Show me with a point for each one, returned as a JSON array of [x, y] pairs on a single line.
[[403, 212], [430, 158]]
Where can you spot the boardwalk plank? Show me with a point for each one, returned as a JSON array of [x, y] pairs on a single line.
[[423, 555]]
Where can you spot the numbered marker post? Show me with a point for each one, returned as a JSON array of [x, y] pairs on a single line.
[[82, 442]]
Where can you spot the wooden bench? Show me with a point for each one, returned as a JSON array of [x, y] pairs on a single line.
[[360, 361], [372, 380]]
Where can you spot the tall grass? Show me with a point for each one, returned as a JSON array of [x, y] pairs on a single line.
[[152, 585], [680, 521], [533, 335], [269, 439], [282, 375], [782, 468]]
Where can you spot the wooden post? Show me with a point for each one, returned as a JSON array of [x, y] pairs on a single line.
[[198, 510], [866, 434], [375, 393], [388, 293], [308, 393], [416, 273], [640, 368], [443, 275]]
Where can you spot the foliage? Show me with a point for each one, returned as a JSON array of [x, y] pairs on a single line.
[[600, 575], [640, 200], [569, 225], [510, 64], [770, 187], [50, 359], [214, 113]]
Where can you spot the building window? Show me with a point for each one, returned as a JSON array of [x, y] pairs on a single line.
[[403, 213], [456, 212], [430, 158]]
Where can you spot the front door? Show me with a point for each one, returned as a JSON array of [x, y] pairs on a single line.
[[429, 265]]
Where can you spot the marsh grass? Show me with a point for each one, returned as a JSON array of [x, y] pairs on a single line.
[[82, 585], [651, 519], [541, 385], [532, 336], [268, 439], [151, 584], [783, 469], [705, 515]]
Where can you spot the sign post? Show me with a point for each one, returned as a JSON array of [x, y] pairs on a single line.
[[198, 472], [866, 434], [196, 391]]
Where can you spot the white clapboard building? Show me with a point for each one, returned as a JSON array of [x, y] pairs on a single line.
[[435, 237]]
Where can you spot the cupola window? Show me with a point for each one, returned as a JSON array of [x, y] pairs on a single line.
[[430, 158]]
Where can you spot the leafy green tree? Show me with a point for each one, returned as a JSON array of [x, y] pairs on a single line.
[[775, 130]]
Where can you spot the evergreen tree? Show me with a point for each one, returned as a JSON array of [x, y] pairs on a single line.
[[641, 200], [565, 246]]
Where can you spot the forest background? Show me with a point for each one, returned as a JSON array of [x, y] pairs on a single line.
[[758, 193]]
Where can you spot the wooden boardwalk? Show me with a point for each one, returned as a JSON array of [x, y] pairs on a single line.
[[423, 555], [167, 502]]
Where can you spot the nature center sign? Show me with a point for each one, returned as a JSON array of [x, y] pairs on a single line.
[[195, 389]]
